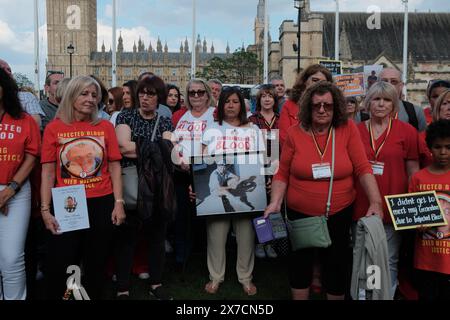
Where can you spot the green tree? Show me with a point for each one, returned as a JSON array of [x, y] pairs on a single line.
[[241, 67], [22, 80]]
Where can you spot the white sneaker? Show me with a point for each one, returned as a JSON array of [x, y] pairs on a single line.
[[270, 252], [144, 276], [169, 248], [259, 251]]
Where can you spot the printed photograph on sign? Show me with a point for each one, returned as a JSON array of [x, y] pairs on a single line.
[[371, 74], [414, 210], [442, 232], [228, 187]]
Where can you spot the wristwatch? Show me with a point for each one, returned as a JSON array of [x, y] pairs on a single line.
[[14, 185]]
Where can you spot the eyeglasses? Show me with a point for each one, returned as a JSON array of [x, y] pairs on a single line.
[[111, 101], [148, 94], [326, 106], [199, 93]]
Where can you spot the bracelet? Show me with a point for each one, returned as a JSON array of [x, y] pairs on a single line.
[[120, 200]]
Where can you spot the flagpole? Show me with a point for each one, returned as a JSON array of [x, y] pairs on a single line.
[[336, 33], [113, 47], [193, 51], [266, 44], [405, 49], [37, 84]]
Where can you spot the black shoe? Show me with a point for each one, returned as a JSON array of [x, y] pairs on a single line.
[[160, 293]]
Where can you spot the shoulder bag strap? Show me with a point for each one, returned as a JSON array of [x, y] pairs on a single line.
[[332, 172], [155, 128]]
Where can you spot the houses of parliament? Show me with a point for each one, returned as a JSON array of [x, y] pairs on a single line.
[[428, 49]]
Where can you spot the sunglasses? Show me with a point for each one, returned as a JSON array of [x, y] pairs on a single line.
[[199, 93], [231, 88], [326, 106], [148, 94]]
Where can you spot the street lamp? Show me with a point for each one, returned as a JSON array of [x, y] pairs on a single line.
[[70, 51], [298, 4]]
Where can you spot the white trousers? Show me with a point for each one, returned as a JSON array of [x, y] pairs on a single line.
[[13, 233]]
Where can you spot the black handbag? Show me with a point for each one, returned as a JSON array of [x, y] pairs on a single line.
[[130, 180]]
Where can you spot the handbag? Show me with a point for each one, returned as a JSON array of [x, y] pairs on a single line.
[[130, 180], [312, 232]]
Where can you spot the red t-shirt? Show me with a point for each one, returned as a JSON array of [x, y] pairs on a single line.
[[81, 152], [176, 116], [299, 153], [17, 137], [288, 118], [401, 145], [428, 115], [432, 248]]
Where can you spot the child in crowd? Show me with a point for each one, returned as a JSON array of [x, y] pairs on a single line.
[[432, 248]]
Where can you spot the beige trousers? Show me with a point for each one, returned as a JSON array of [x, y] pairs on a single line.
[[217, 231]]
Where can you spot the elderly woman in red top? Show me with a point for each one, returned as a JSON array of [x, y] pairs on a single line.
[[304, 177], [391, 147], [80, 149], [290, 111], [19, 147]]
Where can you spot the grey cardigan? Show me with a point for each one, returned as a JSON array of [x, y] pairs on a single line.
[[370, 249]]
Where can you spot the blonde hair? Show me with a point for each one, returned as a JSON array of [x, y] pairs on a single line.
[[72, 92], [61, 88], [207, 89], [438, 104], [385, 90]]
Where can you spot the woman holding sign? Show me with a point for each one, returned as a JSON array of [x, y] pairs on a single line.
[[80, 149], [232, 133], [304, 177], [19, 147], [391, 147]]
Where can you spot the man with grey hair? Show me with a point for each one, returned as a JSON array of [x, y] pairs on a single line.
[[30, 103], [408, 112], [50, 104], [216, 89], [280, 90]]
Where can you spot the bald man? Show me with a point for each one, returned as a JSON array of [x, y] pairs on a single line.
[[394, 77], [30, 103]]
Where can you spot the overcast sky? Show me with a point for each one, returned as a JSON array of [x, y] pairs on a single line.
[[219, 21]]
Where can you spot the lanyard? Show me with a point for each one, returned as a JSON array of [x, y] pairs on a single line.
[[372, 139], [268, 124], [321, 154]]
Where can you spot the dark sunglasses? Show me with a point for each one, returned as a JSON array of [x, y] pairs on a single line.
[[231, 88], [199, 93]]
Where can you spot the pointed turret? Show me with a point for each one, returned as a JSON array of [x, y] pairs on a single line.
[[186, 46], [212, 47], [228, 48], [181, 47], [150, 48], [134, 47], [166, 48], [158, 45], [120, 43], [205, 48], [103, 46]]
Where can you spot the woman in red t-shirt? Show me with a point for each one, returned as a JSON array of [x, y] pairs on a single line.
[[79, 148], [391, 147], [19, 147], [304, 177], [290, 111]]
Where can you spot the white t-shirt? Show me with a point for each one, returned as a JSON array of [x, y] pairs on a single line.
[[189, 132], [226, 139]]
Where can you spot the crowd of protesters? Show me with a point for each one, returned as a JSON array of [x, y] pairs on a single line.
[[339, 156]]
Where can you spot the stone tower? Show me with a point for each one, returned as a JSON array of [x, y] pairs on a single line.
[[75, 23], [259, 23]]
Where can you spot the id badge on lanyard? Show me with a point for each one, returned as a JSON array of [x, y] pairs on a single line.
[[377, 167], [321, 170]]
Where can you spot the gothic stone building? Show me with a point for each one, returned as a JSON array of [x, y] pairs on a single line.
[[75, 22], [428, 49]]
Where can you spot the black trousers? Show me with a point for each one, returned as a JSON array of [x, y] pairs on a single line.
[[87, 249], [154, 230]]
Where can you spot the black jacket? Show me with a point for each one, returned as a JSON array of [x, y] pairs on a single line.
[[156, 192]]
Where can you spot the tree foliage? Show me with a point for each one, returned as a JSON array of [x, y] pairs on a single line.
[[22, 80], [240, 67]]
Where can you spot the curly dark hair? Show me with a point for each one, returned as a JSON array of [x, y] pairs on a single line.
[[224, 95], [300, 83], [10, 99], [321, 88], [439, 129]]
